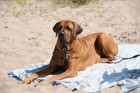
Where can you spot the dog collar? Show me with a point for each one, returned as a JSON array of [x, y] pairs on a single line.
[[67, 52]]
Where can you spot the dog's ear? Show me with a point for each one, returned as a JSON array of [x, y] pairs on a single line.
[[78, 29], [56, 28]]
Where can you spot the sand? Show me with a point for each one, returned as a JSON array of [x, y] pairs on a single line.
[[26, 35]]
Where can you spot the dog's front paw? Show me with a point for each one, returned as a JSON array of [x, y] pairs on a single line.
[[25, 82]]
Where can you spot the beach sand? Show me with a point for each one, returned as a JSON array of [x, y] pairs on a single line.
[[26, 35]]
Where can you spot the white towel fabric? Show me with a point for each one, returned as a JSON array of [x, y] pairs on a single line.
[[124, 71]]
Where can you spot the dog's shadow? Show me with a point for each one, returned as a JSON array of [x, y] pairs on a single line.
[[125, 73], [35, 70]]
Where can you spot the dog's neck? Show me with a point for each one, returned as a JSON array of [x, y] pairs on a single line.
[[67, 50], [68, 47]]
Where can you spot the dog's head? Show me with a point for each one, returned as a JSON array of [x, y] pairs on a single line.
[[67, 31]]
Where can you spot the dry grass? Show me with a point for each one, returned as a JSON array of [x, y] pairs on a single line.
[[74, 3], [21, 2]]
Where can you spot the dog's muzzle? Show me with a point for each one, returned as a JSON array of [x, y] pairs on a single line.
[[62, 38]]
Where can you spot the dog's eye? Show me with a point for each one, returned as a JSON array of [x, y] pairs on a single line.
[[68, 28], [60, 28]]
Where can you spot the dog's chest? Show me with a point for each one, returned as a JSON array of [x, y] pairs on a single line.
[[60, 57]]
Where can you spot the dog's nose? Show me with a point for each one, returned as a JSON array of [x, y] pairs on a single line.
[[61, 33]]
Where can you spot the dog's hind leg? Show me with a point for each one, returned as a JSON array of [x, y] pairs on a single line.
[[104, 60], [107, 48]]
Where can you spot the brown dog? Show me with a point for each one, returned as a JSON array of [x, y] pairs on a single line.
[[74, 53]]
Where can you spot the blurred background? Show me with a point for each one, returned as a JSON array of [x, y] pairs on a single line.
[[26, 25]]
